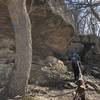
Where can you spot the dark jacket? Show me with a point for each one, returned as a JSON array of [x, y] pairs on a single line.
[[74, 57]]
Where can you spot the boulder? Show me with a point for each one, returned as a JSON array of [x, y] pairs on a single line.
[[5, 71], [51, 70]]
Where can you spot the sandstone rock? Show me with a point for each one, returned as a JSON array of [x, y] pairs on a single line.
[[50, 31], [5, 70]]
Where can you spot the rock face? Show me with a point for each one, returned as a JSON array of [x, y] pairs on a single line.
[[52, 28], [50, 31]]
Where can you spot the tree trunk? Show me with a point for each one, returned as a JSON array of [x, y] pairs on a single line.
[[21, 22]]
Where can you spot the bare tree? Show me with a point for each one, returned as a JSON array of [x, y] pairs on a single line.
[[21, 72], [88, 12]]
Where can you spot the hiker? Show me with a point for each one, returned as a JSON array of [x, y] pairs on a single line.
[[75, 61]]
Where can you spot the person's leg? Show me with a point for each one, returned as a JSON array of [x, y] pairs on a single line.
[[77, 70], [74, 70], [83, 96]]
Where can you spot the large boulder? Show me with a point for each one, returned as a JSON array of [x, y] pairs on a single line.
[[52, 26], [51, 30], [51, 70]]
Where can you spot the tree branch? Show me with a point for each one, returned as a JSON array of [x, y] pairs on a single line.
[[95, 14]]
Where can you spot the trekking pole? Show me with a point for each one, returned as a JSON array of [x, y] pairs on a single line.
[[80, 71]]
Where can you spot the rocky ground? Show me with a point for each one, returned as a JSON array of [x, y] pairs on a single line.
[[35, 92], [50, 79]]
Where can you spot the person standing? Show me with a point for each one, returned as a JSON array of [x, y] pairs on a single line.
[[75, 61]]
